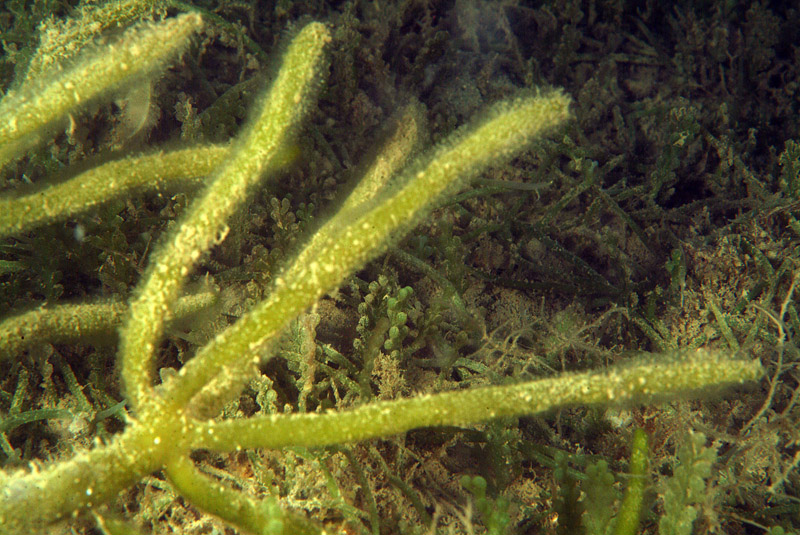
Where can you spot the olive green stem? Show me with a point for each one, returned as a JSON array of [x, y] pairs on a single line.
[[205, 223], [630, 511], [157, 171], [263, 516], [94, 322], [641, 382], [141, 51]]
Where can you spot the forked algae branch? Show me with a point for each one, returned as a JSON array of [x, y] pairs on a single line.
[[173, 419]]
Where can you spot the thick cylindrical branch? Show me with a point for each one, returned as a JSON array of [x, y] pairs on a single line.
[[147, 172], [630, 510], [352, 238], [60, 40], [205, 222], [641, 382], [90, 322], [36, 499], [140, 51], [253, 515], [392, 156]]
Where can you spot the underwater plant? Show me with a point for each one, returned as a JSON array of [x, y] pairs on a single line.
[[177, 416]]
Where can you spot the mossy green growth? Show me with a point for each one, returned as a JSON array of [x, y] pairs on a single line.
[[686, 489], [590, 503], [173, 419]]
